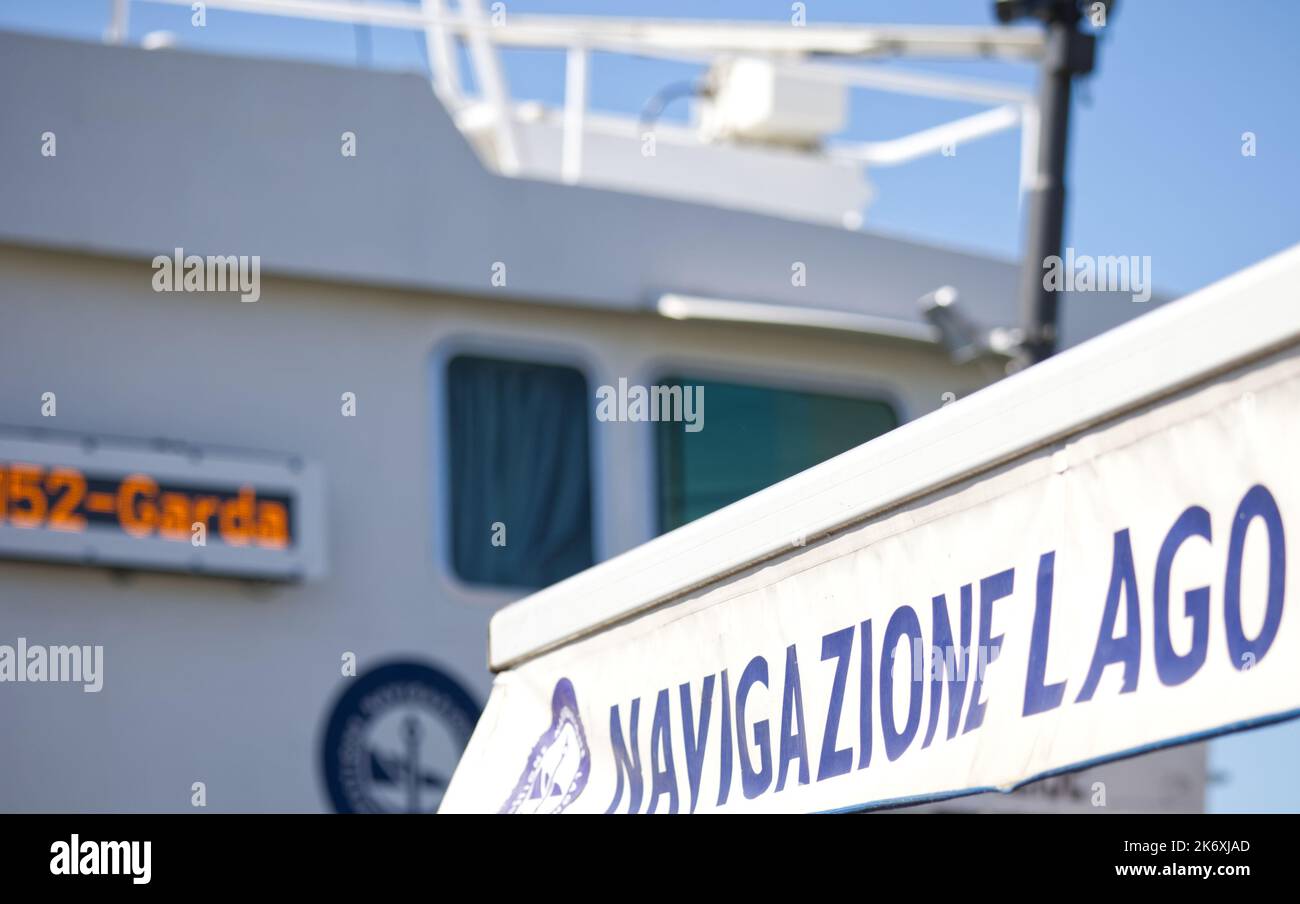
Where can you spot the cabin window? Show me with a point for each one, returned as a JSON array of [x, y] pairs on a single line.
[[520, 478], [752, 437]]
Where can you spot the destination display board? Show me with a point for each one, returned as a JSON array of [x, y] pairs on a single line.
[[170, 507]]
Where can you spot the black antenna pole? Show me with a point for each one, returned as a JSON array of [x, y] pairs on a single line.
[[1069, 52]]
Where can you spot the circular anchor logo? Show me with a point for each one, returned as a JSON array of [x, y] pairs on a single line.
[[560, 763], [393, 739]]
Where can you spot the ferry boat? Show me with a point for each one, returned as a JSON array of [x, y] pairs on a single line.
[[275, 528]]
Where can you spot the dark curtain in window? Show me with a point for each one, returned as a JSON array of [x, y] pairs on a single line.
[[520, 456]]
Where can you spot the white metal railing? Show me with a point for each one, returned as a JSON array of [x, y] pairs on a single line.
[[805, 50], [666, 35]]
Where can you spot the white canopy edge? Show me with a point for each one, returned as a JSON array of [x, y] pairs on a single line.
[[1243, 317]]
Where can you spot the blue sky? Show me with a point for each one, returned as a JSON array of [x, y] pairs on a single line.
[[1155, 160]]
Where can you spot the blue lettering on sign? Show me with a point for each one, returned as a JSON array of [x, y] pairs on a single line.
[[769, 764], [663, 775], [1258, 503], [864, 698], [626, 763], [992, 588], [902, 624], [1111, 649], [950, 663], [793, 745], [1040, 696], [837, 646], [724, 769], [1171, 667], [695, 739], [753, 781]]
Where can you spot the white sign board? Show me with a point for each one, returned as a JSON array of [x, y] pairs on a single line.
[[1120, 591]]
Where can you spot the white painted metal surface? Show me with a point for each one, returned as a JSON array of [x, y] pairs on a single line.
[[769, 102]]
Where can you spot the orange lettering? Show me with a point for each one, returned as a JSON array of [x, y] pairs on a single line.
[[24, 485], [204, 508], [272, 525], [236, 522], [141, 522], [64, 515], [175, 516]]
